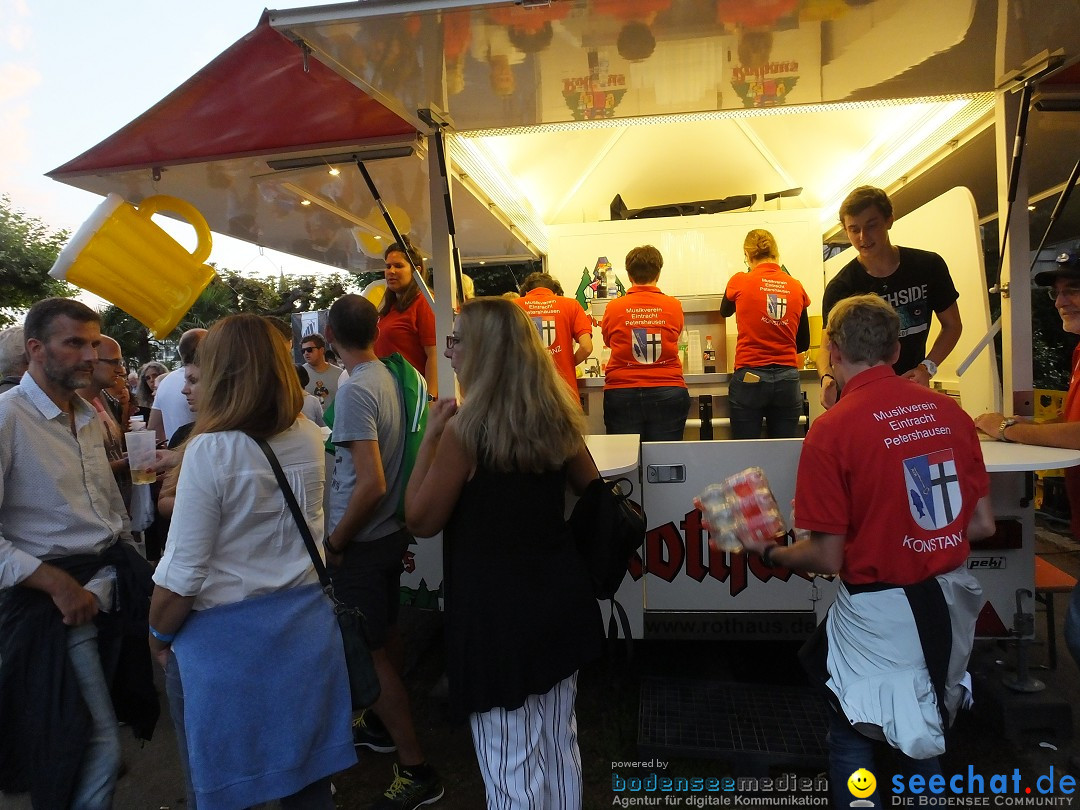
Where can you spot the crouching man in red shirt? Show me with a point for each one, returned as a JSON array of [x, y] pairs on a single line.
[[892, 487]]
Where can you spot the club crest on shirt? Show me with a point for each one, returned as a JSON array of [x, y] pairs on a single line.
[[646, 346], [934, 494], [545, 328], [776, 306]]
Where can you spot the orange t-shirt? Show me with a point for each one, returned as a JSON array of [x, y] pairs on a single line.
[[768, 306], [560, 321], [642, 330], [1071, 413], [407, 332]]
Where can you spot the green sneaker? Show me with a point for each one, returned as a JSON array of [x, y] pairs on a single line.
[[409, 791], [372, 736]]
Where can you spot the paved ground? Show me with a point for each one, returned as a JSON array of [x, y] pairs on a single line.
[[608, 723]]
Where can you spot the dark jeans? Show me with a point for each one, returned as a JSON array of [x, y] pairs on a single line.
[[1072, 624], [658, 414], [849, 750], [776, 398]]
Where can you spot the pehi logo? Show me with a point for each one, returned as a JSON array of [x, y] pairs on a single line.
[[986, 563], [668, 552]]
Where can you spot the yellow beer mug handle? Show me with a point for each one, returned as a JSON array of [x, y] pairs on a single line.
[[162, 202]]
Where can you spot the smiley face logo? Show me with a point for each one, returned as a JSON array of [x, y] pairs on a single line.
[[861, 783]]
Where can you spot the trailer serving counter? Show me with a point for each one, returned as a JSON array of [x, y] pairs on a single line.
[[685, 590]]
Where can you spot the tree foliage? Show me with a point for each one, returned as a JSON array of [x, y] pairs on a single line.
[[227, 294], [27, 252]]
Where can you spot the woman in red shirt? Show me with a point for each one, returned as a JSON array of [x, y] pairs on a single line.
[[644, 389], [406, 322], [770, 309]]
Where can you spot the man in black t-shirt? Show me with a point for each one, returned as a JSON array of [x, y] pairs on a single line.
[[916, 282]]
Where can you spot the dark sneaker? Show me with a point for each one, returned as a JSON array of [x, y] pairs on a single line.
[[409, 791], [371, 737]]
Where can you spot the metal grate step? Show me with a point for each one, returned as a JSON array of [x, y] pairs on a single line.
[[758, 725]]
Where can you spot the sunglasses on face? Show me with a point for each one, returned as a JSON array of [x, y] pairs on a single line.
[[308, 349]]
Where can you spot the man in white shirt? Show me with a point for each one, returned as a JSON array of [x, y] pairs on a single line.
[[170, 410], [62, 560]]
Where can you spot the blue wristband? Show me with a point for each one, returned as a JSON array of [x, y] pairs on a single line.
[[162, 637]]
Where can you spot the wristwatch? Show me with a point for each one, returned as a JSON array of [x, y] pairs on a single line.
[[1007, 422], [930, 365]]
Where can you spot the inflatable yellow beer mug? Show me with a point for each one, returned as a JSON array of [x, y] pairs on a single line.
[[121, 255]]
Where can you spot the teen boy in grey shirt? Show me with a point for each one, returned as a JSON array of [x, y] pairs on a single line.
[[366, 540]]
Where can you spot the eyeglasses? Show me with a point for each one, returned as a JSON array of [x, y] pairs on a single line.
[[1067, 292], [308, 349], [452, 341], [113, 363]]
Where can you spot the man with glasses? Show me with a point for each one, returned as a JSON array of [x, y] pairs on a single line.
[[322, 376], [107, 368], [1064, 431]]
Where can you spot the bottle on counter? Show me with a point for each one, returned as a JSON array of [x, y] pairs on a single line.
[[705, 414], [708, 356], [612, 284], [684, 351]]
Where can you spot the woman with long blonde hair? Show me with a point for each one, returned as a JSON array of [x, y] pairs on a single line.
[[249, 642], [520, 615]]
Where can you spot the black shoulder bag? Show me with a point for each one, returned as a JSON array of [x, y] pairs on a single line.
[[363, 680], [608, 529]]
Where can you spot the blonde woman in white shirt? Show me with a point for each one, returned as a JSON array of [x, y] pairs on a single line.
[[249, 642]]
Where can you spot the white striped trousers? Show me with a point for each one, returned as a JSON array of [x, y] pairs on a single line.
[[529, 757]]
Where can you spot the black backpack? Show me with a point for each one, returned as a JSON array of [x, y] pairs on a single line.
[[608, 529]]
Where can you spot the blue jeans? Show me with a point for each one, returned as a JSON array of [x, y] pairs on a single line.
[[1072, 625], [849, 750], [96, 781], [776, 398], [316, 796], [658, 414]]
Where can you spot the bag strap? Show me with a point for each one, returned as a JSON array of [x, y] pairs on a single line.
[[294, 507]]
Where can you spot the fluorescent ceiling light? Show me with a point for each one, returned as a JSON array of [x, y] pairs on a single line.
[[889, 159], [483, 175]]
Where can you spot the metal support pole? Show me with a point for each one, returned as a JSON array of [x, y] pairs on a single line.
[[442, 257], [1015, 283]]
